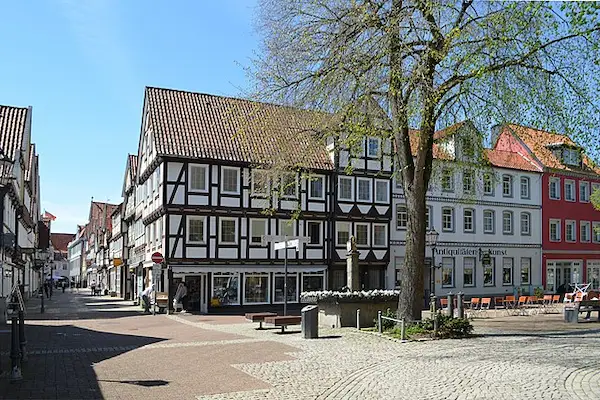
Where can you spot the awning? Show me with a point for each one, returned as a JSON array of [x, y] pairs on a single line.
[[192, 269]]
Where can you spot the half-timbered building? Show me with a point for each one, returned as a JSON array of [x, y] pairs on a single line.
[[216, 174]]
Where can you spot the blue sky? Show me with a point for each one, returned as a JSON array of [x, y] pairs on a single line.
[[83, 66]]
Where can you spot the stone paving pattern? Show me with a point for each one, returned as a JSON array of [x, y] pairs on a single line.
[[95, 347]]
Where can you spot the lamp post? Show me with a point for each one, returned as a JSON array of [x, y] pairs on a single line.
[[431, 238]]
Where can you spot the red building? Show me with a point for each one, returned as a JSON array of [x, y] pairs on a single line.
[[570, 224]]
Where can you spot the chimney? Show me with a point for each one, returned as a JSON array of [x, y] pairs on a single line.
[[496, 129]]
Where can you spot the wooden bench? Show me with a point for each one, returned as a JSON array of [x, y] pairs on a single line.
[[283, 321], [590, 306], [259, 317]]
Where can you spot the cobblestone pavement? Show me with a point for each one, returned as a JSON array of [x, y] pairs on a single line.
[[92, 348]]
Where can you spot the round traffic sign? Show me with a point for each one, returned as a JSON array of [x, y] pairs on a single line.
[[157, 257]]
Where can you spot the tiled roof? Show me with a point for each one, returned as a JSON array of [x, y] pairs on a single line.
[[509, 159], [204, 126], [61, 240], [438, 152], [538, 140], [133, 162], [448, 131], [97, 213], [30, 163], [12, 130]]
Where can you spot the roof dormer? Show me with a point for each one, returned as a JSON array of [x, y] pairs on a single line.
[[567, 154]]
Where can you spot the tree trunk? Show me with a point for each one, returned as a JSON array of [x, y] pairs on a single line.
[[410, 303]]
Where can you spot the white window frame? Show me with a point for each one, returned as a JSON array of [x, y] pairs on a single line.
[[512, 223], [595, 186], [351, 180], [191, 187], [558, 224], [370, 183], [450, 174], [571, 183], [528, 282], [319, 274], [283, 180], [401, 209], [523, 231], [320, 223], [453, 268], [386, 184], [253, 223], [385, 233], [585, 226], [286, 224], [378, 152], [237, 171], [338, 229], [190, 218], [493, 219], [510, 185], [595, 232], [254, 190], [573, 224], [452, 221], [468, 175], [511, 268], [472, 211], [368, 225], [473, 267], [235, 230], [255, 274], [554, 181], [490, 178], [586, 185], [525, 182], [311, 195]]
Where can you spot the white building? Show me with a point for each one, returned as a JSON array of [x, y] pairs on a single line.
[[492, 209]]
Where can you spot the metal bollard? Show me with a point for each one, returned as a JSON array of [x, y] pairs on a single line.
[[435, 324], [402, 330], [358, 319], [379, 327], [433, 304], [460, 308], [15, 357], [22, 340], [450, 304]]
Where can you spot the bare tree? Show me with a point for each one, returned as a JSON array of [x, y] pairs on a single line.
[[428, 64]]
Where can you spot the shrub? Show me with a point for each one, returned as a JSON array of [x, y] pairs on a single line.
[[448, 327], [538, 292], [347, 296], [387, 324]]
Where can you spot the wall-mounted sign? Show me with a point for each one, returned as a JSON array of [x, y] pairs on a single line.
[[117, 262]]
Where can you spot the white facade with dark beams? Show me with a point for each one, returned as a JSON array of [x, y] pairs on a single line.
[[206, 201], [362, 208]]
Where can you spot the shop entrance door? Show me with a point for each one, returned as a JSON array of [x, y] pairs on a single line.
[[196, 292], [561, 276]]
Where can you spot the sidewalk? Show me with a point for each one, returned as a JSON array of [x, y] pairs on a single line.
[[61, 355]]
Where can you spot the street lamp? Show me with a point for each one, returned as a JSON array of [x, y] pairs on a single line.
[[431, 238]]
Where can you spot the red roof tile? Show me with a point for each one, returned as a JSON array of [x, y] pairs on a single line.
[[509, 159], [538, 140], [205, 126], [61, 240]]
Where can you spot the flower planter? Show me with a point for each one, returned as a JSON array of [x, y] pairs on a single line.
[[338, 309]]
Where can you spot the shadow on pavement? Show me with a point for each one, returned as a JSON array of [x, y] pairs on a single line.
[[575, 333], [61, 361], [148, 383]]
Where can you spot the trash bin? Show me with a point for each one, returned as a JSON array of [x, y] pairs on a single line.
[[310, 322], [571, 315]]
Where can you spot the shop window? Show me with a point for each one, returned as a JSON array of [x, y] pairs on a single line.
[[489, 273], [225, 288], [313, 281], [338, 279], [525, 271], [593, 274], [507, 271], [469, 271], [447, 272], [292, 288], [256, 288]]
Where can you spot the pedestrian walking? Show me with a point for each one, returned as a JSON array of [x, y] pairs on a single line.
[[47, 289], [146, 297], [180, 297], [93, 287]]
